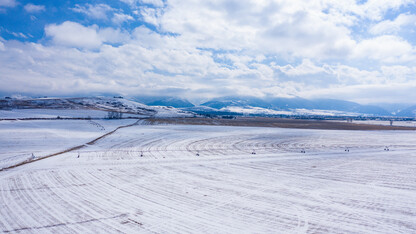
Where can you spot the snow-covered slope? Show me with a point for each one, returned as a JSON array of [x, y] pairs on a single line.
[[54, 113], [268, 111], [294, 106], [82, 107]]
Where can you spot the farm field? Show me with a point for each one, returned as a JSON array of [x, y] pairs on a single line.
[[395, 123], [20, 139], [211, 179]]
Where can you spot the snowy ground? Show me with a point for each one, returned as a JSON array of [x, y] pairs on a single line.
[[49, 113], [19, 139], [379, 122], [226, 189]]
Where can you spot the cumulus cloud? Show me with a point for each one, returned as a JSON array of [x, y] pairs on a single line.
[[372, 9], [76, 35], [31, 8], [8, 3], [393, 26], [213, 48], [265, 27], [151, 15], [398, 73], [129, 68], [134, 3], [156, 3], [312, 29], [130, 2], [385, 48], [307, 67], [368, 93], [375, 9], [120, 18], [113, 36], [98, 11]]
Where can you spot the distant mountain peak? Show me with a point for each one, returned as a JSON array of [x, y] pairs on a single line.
[[175, 102], [295, 104]]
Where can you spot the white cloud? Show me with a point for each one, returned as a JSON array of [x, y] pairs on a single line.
[[98, 11], [212, 48], [368, 93], [134, 3], [156, 3], [375, 9], [386, 48], [101, 11], [261, 27], [347, 75], [120, 18], [389, 26], [371, 9], [152, 63], [31, 8], [74, 34], [129, 68], [398, 73], [307, 67], [151, 15], [8, 3], [111, 35], [296, 29], [129, 2], [2, 47], [306, 35], [327, 75], [19, 35]]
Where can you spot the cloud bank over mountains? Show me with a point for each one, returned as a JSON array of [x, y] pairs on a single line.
[[356, 50]]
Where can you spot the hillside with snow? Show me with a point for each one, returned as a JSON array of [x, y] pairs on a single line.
[[294, 106], [95, 107]]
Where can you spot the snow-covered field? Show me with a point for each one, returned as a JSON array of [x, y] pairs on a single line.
[[379, 122], [20, 139], [50, 113], [226, 189]]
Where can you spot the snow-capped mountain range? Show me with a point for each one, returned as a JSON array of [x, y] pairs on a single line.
[[178, 107], [297, 106]]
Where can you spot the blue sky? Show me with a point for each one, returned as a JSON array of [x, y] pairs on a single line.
[[362, 51]]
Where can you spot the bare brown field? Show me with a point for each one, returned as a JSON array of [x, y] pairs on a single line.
[[277, 123]]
